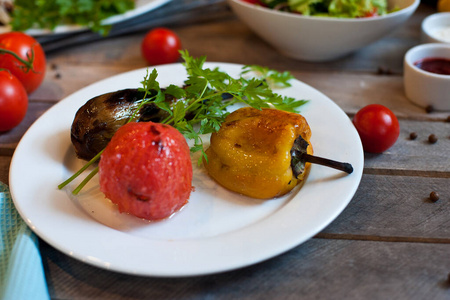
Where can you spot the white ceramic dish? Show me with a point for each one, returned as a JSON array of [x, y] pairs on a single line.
[[425, 88], [141, 7], [216, 231], [320, 38], [436, 28]]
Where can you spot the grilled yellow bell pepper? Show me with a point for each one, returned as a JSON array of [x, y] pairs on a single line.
[[250, 154]]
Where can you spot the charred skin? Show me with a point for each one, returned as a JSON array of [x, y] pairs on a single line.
[[251, 153], [96, 121]]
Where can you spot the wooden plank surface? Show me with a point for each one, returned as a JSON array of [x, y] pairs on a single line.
[[4, 168], [341, 269], [414, 156], [390, 207]]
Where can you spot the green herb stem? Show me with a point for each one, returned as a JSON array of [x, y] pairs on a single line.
[[203, 99], [80, 171], [85, 181]]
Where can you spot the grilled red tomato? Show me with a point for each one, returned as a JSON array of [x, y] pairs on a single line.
[[146, 170]]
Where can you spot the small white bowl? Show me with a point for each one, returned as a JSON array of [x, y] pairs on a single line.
[[436, 28], [425, 88], [313, 38]]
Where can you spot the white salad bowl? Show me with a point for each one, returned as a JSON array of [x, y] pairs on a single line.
[[424, 88], [312, 38]]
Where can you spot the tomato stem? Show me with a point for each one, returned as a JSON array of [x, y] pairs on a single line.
[[27, 64]]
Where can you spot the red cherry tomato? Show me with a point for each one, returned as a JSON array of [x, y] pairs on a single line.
[[161, 46], [27, 49], [377, 126], [13, 101], [371, 14]]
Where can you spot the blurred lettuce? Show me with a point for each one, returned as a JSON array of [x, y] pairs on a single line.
[[332, 8], [47, 14]]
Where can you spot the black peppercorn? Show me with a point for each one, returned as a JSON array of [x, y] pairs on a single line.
[[434, 196], [384, 71], [432, 139], [429, 109], [413, 136]]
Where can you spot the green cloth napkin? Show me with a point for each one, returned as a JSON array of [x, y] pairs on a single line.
[[21, 273]]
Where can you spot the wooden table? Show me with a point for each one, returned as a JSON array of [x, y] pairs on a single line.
[[391, 242]]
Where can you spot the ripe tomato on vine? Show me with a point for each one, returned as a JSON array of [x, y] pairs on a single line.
[[24, 57], [13, 101]]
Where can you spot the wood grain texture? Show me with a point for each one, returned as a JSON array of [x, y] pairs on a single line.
[[4, 168], [397, 206], [345, 269], [417, 156]]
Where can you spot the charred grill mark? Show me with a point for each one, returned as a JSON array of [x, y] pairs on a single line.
[[123, 97], [137, 196], [154, 130], [157, 142], [230, 123], [224, 166], [150, 112], [149, 109]]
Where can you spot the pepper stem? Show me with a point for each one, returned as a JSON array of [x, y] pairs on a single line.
[[299, 157], [341, 166]]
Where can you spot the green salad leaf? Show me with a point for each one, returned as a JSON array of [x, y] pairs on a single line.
[[47, 14], [331, 8]]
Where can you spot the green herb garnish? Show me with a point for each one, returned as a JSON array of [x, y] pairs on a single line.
[[201, 108]]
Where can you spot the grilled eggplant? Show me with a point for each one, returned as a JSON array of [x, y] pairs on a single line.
[[96, 121]]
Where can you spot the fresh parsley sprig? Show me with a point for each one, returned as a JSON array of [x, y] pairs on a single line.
[[274, 79], [200, 107]]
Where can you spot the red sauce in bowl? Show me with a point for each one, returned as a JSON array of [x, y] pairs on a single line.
[[434, 65]]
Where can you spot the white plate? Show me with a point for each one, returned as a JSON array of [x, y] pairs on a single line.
[[141, 7], [216, 231]]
